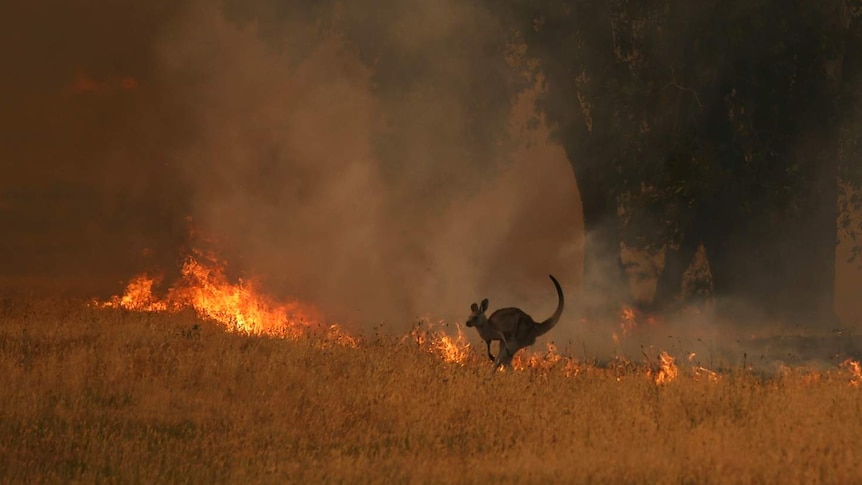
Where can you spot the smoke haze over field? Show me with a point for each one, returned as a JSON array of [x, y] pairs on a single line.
[[283, 165], [273, 146], [267, 127]]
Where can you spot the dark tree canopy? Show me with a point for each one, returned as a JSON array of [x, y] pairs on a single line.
[[714, 123]]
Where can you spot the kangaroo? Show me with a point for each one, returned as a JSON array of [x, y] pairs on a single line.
[[486, 331], [512, 327]]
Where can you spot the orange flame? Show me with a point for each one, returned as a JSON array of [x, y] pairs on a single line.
[[536, 360], [699, 371], [855, 370], [337, 335], [451, 349], [138, 297], [546, 361], [711, 375], [667, 370], [628, 321], [204, 287]]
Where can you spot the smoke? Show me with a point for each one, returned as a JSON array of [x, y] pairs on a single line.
[[374, 159], [376, 205], [83, 188]]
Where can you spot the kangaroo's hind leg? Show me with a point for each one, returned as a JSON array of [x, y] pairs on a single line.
[[504, 357]]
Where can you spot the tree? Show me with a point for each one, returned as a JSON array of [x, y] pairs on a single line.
[[711, 123]]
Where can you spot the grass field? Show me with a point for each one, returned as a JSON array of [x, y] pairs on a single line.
[[95, 396]]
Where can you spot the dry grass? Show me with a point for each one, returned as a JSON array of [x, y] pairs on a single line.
[[95, 396]]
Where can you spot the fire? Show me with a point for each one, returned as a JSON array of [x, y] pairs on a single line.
[[138, 297], [855, 370], [627, 314], [631, 320], [536, 360], [84, 83], [205, 288], [241, 305], [628, 321], [337, 335], [698, 371], [546, 361], [711, 375], [667, 370], [451, 349]]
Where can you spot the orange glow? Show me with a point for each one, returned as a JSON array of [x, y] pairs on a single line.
[[628, 321], [855, 370], [451, 349], [84, 83], [337, 335], [633, 320], [667, 370], [129, 83], [536, 360], [700, 372], [546, 361], [137, 297], [239, 306]]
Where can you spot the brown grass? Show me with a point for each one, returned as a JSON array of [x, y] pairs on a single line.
[[95, 396]]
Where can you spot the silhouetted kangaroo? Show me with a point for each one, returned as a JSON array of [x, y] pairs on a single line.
[[512, 327]]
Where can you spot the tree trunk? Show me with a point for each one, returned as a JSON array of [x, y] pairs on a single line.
[[676, 261]]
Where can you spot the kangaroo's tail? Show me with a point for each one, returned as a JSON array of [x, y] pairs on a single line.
[[550, 322]]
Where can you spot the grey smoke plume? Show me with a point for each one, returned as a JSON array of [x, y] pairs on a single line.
[[285, 166]]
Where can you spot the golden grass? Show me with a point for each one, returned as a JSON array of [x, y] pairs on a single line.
[[93, 396]]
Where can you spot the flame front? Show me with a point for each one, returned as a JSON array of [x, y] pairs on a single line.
[[435, 341], [207, 290], [546, 361], [241, 307], [138, 297], [204, 287]]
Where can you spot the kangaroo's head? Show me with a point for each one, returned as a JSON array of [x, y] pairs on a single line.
[[477, 316]]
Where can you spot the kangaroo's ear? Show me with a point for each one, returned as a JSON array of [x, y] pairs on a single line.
[[484, 305], [475, 308]]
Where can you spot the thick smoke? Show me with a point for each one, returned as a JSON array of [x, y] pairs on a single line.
[[381, 202], [285, 166]]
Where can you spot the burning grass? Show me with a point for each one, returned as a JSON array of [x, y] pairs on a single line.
[[204, 288], [94, 395]]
